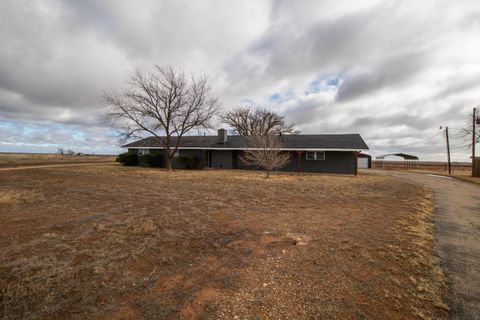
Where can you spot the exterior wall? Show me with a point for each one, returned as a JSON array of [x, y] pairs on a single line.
[[362, 163], [222, 159], [342, 162], [338, 162], [335, 162], [477, 167]]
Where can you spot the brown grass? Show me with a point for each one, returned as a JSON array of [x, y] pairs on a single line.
[[456, 167], [458, 171], [136, 228], [112, 242], [28, 159], [419, 228], [10, 197]]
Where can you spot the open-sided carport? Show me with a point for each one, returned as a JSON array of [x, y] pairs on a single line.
[[409, 160]]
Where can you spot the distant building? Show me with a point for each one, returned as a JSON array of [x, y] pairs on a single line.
[[364, 161]]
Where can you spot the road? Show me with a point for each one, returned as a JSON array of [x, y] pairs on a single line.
[[457, 240]]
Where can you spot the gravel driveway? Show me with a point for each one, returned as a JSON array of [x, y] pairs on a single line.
[[457, 222]]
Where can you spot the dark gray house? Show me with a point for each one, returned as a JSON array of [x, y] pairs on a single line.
[[326, 153]]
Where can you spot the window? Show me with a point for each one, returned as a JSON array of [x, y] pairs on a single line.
[[142, 152], [176, 154], [315, 155]]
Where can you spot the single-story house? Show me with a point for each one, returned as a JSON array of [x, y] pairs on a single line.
[[325, 153]]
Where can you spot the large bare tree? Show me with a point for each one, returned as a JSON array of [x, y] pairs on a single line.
[[251, 121], [265, 152], [164, 103]]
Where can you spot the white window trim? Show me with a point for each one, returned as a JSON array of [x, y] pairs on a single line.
[[317, 155]]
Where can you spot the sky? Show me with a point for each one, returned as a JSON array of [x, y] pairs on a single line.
[[393, 71]]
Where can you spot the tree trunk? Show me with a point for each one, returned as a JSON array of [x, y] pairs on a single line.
[[168, 160], [268, 174]]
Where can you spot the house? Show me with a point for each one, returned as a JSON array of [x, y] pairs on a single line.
[[325, 153]]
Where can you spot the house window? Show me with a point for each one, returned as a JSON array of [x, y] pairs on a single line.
[[315, 155], [142, 152]]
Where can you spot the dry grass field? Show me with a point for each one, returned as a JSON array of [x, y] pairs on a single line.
[[460, 171], [111, 242], [29, 159], [458, 168]]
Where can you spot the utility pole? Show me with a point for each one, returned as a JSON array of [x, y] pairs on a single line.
[[474, 120], [448, 151]]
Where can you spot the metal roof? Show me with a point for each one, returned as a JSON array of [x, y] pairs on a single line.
[[402, 155], [364, 155], [340, 142]]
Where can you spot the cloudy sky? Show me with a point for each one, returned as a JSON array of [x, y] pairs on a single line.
[[393, 71]]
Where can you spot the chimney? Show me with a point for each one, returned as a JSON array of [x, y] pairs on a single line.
[[222, 136]]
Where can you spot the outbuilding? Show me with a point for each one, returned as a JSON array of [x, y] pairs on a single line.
[[364, 161]]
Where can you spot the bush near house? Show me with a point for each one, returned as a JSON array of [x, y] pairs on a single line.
[[189, 161], [142, 161], [154, 160], [128, 159]]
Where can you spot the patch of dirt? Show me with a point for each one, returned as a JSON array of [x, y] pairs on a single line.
[[112, 242]]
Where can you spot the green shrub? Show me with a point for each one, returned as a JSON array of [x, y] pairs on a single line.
[[128, 158], [154, 159], [189, 161], [142, 160]]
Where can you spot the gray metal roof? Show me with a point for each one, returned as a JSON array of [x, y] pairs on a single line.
[[296, 142], [402, 155]]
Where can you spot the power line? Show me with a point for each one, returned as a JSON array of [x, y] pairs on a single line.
[[431, 137], [418, 142]]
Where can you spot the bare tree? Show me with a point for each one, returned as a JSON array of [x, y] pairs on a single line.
[[465, 133], [251, 121], [265, 152], [163, 103]]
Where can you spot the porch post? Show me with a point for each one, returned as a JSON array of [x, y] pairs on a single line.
[[355, 158], [299, 161], [205, 157]]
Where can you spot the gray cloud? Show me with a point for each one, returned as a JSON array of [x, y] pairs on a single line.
[[393, 72]]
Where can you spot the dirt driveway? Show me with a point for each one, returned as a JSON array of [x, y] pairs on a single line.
[[457, 223]]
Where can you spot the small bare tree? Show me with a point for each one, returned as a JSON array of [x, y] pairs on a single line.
[[265, 152], [163, 103], [251, 121], [465, 133]]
